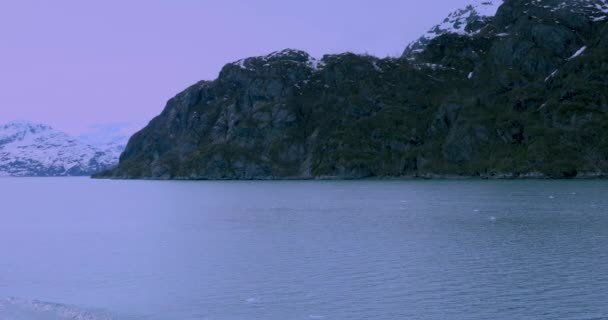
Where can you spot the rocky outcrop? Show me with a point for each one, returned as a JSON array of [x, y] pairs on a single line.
[[519, 93]]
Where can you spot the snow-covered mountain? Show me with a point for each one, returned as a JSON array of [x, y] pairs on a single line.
[[463, 21], [33, 149], [111, 138], [473, 18]]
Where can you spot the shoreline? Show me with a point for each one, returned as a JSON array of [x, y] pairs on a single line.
[[450, 177]]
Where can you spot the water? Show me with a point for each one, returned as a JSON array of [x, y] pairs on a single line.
[[303, 250]]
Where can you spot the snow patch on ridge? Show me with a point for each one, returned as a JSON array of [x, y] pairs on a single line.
[[551, 75], [283, 55], [457, 23], [596, 10], [578, 52], [461, 21]]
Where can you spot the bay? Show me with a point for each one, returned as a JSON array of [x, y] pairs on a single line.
[[100, 249]]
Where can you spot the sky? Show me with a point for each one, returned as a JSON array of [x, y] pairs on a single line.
[[78, 64]]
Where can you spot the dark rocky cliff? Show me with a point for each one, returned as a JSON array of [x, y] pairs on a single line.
[[521, 94]]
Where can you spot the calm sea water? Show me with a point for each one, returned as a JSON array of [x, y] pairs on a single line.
[[88, 249]]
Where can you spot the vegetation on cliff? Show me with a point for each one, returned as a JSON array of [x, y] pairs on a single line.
[[521, 94]]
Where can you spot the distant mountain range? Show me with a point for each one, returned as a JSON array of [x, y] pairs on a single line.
[[499, 89], [33, 149]]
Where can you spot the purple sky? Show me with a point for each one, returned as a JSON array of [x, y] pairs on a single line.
[[74, 63]]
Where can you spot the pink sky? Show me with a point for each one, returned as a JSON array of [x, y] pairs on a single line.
[[74, 63]]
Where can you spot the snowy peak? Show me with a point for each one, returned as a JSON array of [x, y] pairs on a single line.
[[111, 138], [18, 129], [25, 125], [33, 149], [466, 21], [469, 21]]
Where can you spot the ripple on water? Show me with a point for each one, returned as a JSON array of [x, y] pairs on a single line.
[[21, 309]]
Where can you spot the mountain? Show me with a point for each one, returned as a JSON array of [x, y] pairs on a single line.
[[497, 90], [110, 138], [466, 22], [32, 149]]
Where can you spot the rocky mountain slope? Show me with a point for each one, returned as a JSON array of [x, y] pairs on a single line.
[[513, 89], [31, 149], [466, 22]]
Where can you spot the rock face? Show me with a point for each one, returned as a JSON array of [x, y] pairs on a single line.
[[31, 149], [513, 89], [467, 22]]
